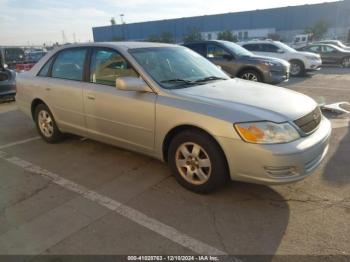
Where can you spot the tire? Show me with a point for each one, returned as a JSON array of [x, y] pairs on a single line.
[[214, 171], [251, 75], [345, 62], [297, 68], [46, 124]]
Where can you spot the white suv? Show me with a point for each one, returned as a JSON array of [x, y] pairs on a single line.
[[301, 62]]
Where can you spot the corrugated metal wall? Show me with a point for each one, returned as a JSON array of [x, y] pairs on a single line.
[[337, 14]]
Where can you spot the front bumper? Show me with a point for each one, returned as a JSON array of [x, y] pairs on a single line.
[[276, 77], [313, 65], [279, 163]]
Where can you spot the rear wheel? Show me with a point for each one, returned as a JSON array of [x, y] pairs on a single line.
[[46, 124], [346, 62], [297, 68], [250, 75], [197, 161]]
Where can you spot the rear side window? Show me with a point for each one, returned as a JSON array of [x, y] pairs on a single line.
[[252, 47], [269, 48], [69, 64], [45, 69], [107, 65]]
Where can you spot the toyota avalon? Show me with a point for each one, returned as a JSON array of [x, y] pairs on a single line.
[[170, 103]]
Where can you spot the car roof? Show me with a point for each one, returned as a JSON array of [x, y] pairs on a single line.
[[258, 42], [120, 45], [206, 41]]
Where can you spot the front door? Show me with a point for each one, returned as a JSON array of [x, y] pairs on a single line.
[[124, 118], [220, 56]]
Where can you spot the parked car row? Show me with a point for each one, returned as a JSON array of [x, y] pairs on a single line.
[[239, 62], [170, 103], [330, 54]]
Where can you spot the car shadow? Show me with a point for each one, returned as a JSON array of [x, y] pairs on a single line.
[[296, 80], [257, 217], [336, 170]]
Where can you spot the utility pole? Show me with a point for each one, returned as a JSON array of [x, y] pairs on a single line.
[[122, 18], [64, 38]]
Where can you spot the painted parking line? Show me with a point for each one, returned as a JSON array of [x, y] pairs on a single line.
[[19, 142], [124, 210]]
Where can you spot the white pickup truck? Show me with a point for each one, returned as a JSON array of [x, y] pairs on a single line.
[[301, 62]]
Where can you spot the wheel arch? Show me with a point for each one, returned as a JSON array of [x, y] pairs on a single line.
[[180, 128], [34, 104], [297, 60]]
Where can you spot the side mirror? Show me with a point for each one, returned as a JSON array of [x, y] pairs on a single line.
[[5, 66], [280, 51], [227, 57], [128, 83]]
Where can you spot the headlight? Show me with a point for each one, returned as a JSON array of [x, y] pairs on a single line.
[[270, 63], [267, 132]]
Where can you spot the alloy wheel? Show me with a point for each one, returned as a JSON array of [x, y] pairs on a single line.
[[250, 76], [193, 163], [295, 69], [45, 123], [346, 62]]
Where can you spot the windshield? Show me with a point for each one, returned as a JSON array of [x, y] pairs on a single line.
[[237, 50], [176, 67], [285, 47]]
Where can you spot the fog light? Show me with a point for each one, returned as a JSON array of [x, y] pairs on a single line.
[[281, 172]]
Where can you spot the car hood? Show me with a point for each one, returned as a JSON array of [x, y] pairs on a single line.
[[268, 59], [257, 101]]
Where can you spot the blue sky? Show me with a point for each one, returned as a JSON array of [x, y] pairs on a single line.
[[42, 21]]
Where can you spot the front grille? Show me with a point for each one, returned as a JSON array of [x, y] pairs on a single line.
[[310, 122]]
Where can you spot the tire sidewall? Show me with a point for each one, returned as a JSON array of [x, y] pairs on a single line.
[[57, 135], [219, 174], [252, 72], [302, 68], [343, 62]]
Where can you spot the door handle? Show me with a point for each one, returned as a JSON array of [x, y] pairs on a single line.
[[90, 97], [48, 89]]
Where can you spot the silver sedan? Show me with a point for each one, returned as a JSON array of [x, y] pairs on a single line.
[[170, 103]]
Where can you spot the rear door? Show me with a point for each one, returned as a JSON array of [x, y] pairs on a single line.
[[61, 82], [329, 54], [267, 49], [123, 118]]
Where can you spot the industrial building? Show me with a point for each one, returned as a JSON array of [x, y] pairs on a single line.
[[285, 22]]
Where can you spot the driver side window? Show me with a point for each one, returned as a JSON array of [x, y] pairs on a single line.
[[214, 51], [107, 65]]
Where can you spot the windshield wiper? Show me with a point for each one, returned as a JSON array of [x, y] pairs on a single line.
[[209, 78], [178, 80]]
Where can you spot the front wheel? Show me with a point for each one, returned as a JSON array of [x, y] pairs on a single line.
[[297, 68], [197, 161], [250, 75], [346, 62], [46, 124]]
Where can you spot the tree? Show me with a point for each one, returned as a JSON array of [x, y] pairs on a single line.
[[193, 35], [227, 35], [112, 21], [165, 37], [153, 38], [318, 30]]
